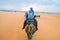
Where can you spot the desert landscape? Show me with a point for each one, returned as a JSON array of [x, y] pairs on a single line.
[[11, 24]]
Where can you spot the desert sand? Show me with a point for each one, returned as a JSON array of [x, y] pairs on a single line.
[[11, 24]]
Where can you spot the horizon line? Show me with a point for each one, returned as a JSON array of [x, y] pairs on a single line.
[[25, 11]]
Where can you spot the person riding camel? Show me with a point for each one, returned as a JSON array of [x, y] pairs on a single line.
[[30, 15]]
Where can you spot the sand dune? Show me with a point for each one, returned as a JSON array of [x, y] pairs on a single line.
[[11, 26]]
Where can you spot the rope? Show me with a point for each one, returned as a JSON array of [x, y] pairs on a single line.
[[31, 35], [32, 38]]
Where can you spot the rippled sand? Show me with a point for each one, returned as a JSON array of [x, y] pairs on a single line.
[[11, 24]]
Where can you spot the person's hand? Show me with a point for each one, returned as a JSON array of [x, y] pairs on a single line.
[[37, 15]]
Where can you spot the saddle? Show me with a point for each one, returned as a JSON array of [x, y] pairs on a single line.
[[30, 26]]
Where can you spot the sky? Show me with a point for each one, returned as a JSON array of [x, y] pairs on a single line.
[[37, 5]]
